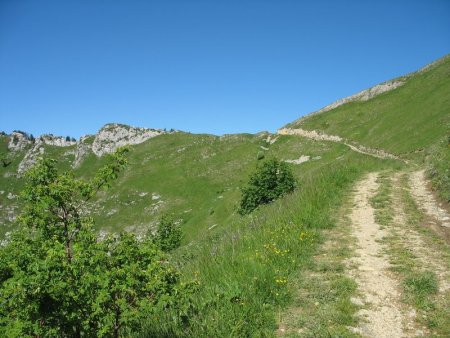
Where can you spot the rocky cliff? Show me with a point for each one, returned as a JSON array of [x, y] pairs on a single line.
[[107, 140], [113, 136]]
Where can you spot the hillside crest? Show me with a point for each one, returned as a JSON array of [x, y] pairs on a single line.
[[110, 137]]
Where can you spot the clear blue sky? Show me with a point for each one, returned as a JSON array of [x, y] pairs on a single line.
[[69, 67]]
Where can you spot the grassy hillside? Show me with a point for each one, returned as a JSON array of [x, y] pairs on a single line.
[[194, 177], [242, 265], [244, 274], [409, 118]]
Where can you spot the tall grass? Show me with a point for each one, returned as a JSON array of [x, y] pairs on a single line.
[[243, 275]]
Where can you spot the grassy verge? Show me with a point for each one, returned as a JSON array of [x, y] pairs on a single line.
[[322, 293], [246, 275], [381, 202]]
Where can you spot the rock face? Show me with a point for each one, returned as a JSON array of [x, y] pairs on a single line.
[[57, 141], [18, 141], [83, 148], [113, 136], [31, 156], [312, 134], [300, 160], [364, 95], [107, 140], [38, 150]]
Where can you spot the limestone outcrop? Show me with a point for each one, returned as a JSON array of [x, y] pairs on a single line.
[[113, 136], [18, 141]]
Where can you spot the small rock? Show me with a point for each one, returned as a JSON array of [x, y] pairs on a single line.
[[301, 159]]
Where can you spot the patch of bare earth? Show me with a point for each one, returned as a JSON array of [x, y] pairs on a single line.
[[382, 313]]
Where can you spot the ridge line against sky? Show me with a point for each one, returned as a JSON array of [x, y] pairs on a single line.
[[68, 68]]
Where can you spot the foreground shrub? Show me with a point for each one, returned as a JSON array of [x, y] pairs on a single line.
[[271, 180], [58, 280]]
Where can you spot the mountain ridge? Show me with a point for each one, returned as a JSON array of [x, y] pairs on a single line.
[[371, 92], [204, 172]]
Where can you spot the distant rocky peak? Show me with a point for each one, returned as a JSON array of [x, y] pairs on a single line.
[[58, 141], [114, 135], [18, 141]]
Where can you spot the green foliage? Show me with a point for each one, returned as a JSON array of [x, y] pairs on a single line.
[[260, 155], [168, 235], [57, 279], [271, 180]]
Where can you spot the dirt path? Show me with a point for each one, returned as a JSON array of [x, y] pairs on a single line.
[[371, 152], [383, 250], [319, 136], [382, 314]]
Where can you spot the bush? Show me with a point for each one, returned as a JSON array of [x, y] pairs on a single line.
[[271, 180], [58, 280], [168, 236]]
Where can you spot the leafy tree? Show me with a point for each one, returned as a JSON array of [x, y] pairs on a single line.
[[57, 279], [168, 235], [271, 180]]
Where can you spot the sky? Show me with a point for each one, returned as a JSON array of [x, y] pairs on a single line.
[[69, 67]]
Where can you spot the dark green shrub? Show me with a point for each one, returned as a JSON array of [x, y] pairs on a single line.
[[169, 235], [271, 180]]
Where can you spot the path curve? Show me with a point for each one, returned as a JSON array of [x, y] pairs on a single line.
[[319, 136]]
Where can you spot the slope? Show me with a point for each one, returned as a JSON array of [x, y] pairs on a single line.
[[196, 178], [401, 116]]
